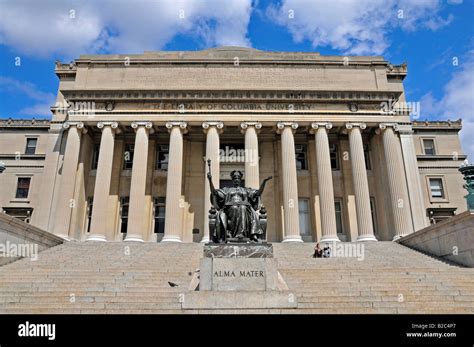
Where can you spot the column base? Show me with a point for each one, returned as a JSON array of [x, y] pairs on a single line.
[[134, 238], [100, 238], [65, 237], [330, 238], [292, 238], [171, 238], [205, 239], [396, 237], [367, 237]]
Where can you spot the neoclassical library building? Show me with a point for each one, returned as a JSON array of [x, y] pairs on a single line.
[[125, 154]]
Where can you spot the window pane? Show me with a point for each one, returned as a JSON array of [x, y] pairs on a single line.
[[124, 214], [23, 187], [338, 208], [162, 153], [305, 225], [436, 186], [367, 158], [301, 157], [334, 155], [429, 147], [31, 146], [95, 157], [128, 156]]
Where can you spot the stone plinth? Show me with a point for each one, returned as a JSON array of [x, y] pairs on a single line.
[[238, 276], [238, 300]]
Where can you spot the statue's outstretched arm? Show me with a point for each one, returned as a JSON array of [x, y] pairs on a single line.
[[262, 186]]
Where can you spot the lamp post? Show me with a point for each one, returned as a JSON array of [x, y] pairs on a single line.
[[468, 172], [2, 166]]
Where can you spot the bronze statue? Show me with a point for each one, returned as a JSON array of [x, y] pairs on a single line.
[[233, 216]]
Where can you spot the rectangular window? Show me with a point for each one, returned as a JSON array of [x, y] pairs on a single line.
[[436, 187], [301, 153], [159, 215], [95, 157], [373, 214], [90, 202], [338, 208], [428, 145], [334, 155], [128, 156], [162, 153], [124, 204], [23, 187], [368, 165], [31, 146], [305, 224]]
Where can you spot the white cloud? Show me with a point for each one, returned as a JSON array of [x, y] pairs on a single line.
[[457, 102], [70, 28], [355, 26], [29, 90]]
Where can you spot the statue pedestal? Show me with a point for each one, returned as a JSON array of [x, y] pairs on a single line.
[[238, 276]]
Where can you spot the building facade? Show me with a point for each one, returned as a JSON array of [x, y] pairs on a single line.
[[124, 156]]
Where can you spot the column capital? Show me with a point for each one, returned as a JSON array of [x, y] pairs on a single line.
[[147, 125], [113, 125], [405, 129], [384, 126], [208, 124], [282, 125], [182, 126], [245, 125], [319, 125], [361, 126], [78, 125]]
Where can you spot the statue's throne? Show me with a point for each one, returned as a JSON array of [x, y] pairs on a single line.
[[218, 235]]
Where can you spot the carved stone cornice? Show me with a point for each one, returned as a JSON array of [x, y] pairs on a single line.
[[222, 95]]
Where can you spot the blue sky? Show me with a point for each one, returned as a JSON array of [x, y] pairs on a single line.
[[435, 38]]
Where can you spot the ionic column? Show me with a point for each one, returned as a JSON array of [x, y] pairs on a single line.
[[325, 185], [137, 226], [290, 184], [212, 130], [174, 210], [103, 177], [396, 181], [68, 178], [252, 176], [413, 176], [361, 184]]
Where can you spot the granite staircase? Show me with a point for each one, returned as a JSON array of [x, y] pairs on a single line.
[[126, 278]]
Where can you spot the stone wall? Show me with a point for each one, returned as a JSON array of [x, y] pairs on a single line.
[[17, 235], [452, 239]]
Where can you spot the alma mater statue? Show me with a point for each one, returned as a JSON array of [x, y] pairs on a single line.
[[233, 216]]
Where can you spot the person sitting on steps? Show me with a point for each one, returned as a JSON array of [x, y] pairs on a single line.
[[318, 252]]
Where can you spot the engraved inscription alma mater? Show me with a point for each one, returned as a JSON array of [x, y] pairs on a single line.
[[242, 273]]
